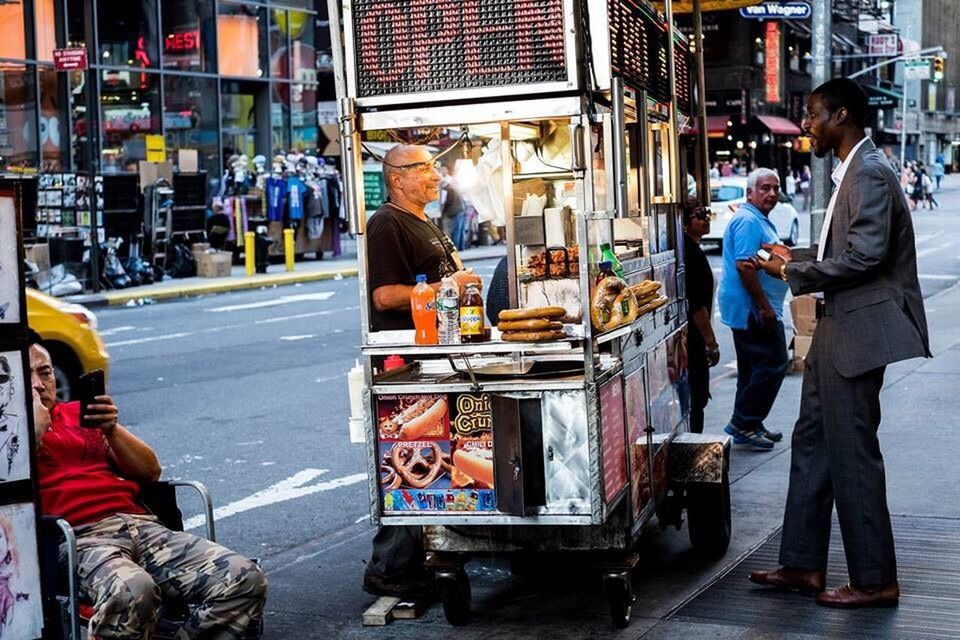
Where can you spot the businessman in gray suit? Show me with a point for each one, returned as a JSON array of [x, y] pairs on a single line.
[[871, 315]]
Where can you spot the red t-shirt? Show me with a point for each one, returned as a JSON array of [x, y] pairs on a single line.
[[77, 482]]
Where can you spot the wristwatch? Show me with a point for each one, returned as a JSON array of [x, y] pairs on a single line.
[[783, 272]]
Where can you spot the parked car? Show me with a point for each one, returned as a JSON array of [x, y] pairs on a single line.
[[69, 333], [726, 196]]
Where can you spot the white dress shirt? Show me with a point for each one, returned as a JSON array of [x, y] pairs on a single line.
[[837, 177]]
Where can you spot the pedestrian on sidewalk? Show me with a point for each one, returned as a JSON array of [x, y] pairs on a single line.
[[702, 349], [928, 191], [938, 170], [865, 264], [751, 304]]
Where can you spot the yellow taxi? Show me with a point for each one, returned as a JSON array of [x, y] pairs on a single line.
[[69, 332]]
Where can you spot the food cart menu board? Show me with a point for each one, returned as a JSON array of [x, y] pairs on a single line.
[[638, 47], [436, 453], [614, 442], [418, 46]]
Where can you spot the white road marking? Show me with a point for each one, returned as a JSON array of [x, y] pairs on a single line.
[[300, 297], [361, 519], [295, 338], [939, 276], [731, 365], [250, 443], [929, 250], [301, 316], [110, 332], [296, 486], [168, 336]]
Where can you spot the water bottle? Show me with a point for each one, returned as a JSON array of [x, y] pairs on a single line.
[[448, 312]]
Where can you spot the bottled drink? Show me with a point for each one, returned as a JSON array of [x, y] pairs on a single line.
[[606, 252], [423, 304], [448, 312], [471, 315], [606, 271]]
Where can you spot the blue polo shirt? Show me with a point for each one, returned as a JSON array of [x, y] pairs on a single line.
[[746, 231]]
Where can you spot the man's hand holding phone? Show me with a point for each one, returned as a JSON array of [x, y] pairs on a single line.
[[97, 410]]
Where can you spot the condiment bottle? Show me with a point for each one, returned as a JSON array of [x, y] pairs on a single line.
[[471, 315], [606, 271]]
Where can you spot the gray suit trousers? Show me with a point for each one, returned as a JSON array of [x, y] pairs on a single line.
[[836, 458]]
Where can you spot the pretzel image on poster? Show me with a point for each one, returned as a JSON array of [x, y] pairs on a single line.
[[416, 469]]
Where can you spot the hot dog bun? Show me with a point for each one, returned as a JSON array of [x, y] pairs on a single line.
[[533, 336], [535, 312], [418, 426], [534, 324], [475, 466]]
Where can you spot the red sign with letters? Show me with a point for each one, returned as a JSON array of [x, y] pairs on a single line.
[[772, 62], [72, 59]]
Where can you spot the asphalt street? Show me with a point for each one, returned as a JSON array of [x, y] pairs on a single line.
[[246, 392]]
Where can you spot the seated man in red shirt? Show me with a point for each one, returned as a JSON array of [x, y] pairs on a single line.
[[127, 560]]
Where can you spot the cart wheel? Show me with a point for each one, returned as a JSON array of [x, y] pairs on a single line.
[[454, 587], [620, 596], [708, 514]]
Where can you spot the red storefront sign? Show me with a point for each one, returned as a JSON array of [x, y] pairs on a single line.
[[772, 62], [72, 59]]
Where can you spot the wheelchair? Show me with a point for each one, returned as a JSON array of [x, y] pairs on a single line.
[[65, 611]]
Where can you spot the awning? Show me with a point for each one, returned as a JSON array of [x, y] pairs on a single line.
[[716, 126], [881, 98], [779, 126]]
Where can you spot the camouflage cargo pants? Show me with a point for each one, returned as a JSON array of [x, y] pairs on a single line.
[[129, 563]]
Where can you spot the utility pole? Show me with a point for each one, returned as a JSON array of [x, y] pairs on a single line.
[[820, 168]]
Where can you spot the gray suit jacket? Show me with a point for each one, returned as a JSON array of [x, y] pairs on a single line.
[[868, 274]]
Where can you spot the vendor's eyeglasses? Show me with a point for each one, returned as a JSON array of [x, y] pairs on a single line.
[[701, 214]]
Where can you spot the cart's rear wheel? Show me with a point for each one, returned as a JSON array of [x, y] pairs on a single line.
[[620, 596], [708, 515], [454, 587]]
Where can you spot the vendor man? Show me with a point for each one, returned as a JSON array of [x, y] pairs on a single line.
[[403, 242]]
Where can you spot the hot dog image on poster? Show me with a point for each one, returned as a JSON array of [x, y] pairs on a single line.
[[429, 462], [14, 438], [21, 612], [9, 263]]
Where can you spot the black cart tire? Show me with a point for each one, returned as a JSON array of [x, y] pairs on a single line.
[[455, 595], [708, 516], [620, 597]]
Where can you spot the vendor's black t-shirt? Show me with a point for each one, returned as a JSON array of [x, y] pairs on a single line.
[[399, 247], [699, 295]]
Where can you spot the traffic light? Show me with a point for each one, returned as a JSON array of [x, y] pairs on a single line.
[[938, 68]]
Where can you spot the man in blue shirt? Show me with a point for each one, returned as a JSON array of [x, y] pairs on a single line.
[[751, 304]]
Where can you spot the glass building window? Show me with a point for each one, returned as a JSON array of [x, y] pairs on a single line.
[[18, 117], [128, 33], [241, 40], [190, 118], [130, 110], [239, 113], [54, 136], [13, 43], [280, 127], [188, 35], [44, 16]]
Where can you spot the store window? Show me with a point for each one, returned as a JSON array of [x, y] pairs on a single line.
[[190, 118], [239, 113], [293, 56], [241, 40], [13, 43], [279, 128], [128, 33], [54, 137], [188, 35], [45, 17], [130, 111], [18, 117]]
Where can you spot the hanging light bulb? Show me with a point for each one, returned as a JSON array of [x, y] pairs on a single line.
[[463, 169]]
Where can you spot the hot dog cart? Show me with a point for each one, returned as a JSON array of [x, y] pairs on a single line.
[[566, 114]]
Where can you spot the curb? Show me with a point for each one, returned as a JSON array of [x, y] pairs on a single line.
[[207, 286]]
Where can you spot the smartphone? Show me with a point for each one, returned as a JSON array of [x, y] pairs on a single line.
[[89, 386], [763, 254]]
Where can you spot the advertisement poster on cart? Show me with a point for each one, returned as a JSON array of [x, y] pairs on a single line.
[[635, 399], [436, 453], [21, 607]]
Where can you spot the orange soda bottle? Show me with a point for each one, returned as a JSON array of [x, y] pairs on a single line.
[[423, 304]]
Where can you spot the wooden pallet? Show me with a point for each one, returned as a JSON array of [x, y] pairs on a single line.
[[387, 608]]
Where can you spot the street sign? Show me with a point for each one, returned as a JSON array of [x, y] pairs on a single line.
[[883, 44], [777, 11], [917, 69], [71, 59]]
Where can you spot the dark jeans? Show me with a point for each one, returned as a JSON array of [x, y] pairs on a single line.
[[699, 373], [761, 365], [397, 552]]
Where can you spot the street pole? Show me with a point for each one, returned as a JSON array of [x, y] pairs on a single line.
[[903, 121], [820, 167], [703, 178], [93, 139]]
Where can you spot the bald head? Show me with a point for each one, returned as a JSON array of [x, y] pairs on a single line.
[[411, 179]]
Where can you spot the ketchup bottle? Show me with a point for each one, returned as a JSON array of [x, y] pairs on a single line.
[[423, 304]]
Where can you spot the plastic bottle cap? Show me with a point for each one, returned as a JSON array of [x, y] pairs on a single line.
[[421, 278], [606, 264], [393, 362]]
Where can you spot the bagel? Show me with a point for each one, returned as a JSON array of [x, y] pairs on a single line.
[[532, 313], [533, 336], [533, 324], [606, 312]]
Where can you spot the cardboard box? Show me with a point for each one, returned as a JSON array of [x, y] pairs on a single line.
[[801, 346], [150, 172], [197, 248], [214, 265], [803, 310], [188, 161]]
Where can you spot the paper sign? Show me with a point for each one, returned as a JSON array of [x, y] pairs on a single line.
[[156, 148], [72, 59]]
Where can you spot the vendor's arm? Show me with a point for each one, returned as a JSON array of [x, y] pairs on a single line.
[[396, 297], [130, 455]]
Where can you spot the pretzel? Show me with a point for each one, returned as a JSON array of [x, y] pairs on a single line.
[[606, 303], [418, 471], [391, 480]]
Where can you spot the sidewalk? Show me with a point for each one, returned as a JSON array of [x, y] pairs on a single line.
[[343, 266]]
